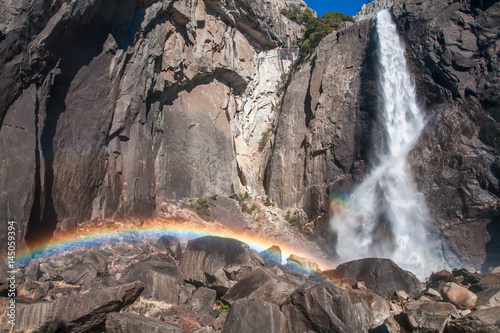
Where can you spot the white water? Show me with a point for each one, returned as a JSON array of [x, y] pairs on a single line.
[[386, 216]]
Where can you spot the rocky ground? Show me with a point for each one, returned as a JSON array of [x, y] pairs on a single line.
[[139, 283]]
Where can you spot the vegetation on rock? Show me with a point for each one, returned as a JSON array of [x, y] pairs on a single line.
[[201, 207]]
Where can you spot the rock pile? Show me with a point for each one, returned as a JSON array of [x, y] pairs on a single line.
[[219, 284]]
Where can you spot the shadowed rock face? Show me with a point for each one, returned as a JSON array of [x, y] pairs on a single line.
[[107, 106], [254, 315], [455, 62], [130, 323]]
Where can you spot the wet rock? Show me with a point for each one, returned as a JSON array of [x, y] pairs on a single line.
[[254, 315], [485, 320], [98, 260], [382, 276], [80, 274], [162, 280], [428, 316], [459, 296], [170, 244], [301, 265], [324, 307], [131, 323], [217, 262], [77, 313], [262, 284]]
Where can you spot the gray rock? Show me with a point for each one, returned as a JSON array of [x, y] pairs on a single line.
[[202, 302], [76, 313], [217, 262], [262, 284], [170, 244], [428, 316], [485, 320], [98, 260], [162, 280], [326, 308], [377, 307], [80, 274], [272, 256], [131, 323], [4, 285], [382, 276], [254, 315]]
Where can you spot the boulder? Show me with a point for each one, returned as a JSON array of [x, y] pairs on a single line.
[[131, 323], [207, 329], [484, 320], [98, 260], [254, 315], [488, 298], [459, 296], [324, 307], [301, 265], [77, 313], [271, 256], [217, 262], [80, 274], [33, 271], [442, 275], [428, 316], [162, 280], [170, 244], [382, 276], [262, 284], [220, 321], [202, 302], [377, 307]]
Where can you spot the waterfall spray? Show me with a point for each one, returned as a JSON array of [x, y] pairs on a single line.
[[386, 216]]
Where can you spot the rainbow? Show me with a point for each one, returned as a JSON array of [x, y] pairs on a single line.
[[184, 231]]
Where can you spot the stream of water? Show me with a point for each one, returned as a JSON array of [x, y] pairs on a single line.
[[386, 216]]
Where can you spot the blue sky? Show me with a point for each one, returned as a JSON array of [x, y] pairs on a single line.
[[350, 7]]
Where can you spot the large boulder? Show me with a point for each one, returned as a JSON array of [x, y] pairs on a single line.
[[377, 307], [131, 323], [217, 262], [76, 313], [162, 280], [459, 296], [382, 276], [324, 307], [98, 260], [271, 256], [262, 284], [254, 315], [301, 265]]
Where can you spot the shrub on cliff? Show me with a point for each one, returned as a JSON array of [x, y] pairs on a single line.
[[319, 27]]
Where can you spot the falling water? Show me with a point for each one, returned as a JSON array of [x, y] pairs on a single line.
[[386, 216]]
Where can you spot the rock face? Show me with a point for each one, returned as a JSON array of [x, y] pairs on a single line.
[[370, 9], [456, 163], [104, 124], [322, 126], [254, 315]]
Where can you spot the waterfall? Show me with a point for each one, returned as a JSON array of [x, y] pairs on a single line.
[[385, 215]]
